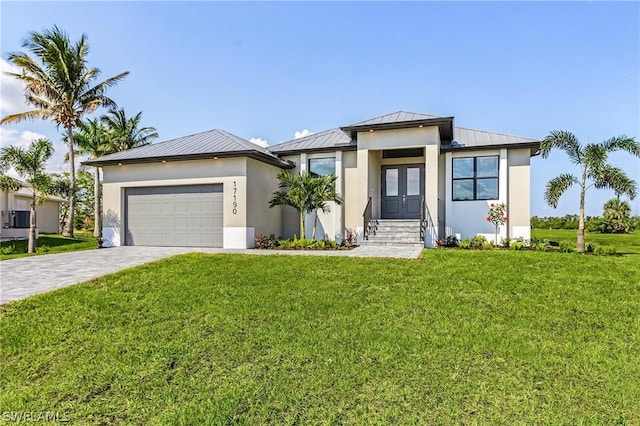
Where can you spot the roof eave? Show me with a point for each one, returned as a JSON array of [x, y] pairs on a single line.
[[317, 150], [254, 154], [443, 123], [534, 146]]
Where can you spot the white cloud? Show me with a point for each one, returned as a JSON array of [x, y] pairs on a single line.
[[259, 142], [12, 90], [302, 134]]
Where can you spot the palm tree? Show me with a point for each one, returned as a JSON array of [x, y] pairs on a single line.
[[30, 164], [93, 139], [60, 86], [594, 170], [618, 215], [324, 191], [126, 132]]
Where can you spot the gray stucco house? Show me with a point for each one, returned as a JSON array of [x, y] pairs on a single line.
[[403, 173]]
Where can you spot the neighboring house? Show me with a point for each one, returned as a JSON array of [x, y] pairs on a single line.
[[15, 209], [213, 188]]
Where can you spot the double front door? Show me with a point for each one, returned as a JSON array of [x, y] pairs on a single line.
[[402, 191]]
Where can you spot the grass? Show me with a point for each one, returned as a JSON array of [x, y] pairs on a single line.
[[456, 337], [57, 243], [625, 243]]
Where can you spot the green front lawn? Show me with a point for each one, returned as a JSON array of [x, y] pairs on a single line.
[[472, 337], [57, 243], [625, 243]]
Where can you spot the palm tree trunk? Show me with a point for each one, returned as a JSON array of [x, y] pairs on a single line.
[[32, 225], [315, 225], [580, 244], [72, 179], [303, 233], [97, 223]]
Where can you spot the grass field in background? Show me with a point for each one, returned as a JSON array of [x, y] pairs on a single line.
[[625, 243], [472, 337]]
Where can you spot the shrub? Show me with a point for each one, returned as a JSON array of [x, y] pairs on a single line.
[[284, 244], [476, 242], [487, 246], [589, 247], [42, 249], [517, 245], [450, 241], [7, 249], [540, 245], [349, 240], [265, 241], [567, 247], [505, 242]]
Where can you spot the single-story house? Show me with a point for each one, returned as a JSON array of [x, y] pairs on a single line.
[[15, 209], [404, 177]]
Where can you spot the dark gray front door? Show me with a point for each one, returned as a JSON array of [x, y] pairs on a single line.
[[179, 216], [402, 191]]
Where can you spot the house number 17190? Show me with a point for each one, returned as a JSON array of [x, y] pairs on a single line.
[[235, 198]]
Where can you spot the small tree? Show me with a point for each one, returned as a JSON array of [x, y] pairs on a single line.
[[498, 216], [297, 192], [594, 170], [617, 216], [30, 164]]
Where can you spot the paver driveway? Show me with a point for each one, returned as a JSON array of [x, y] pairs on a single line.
[[26, 276]]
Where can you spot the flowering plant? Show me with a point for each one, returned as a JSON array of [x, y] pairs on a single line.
[[498, 216]]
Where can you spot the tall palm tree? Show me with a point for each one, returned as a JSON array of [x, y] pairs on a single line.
[[30, 164], [126, 132], [93, 139], [594, 169], [60, 86], [324, 191]]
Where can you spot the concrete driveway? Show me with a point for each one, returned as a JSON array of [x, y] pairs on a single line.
[[24, 277]]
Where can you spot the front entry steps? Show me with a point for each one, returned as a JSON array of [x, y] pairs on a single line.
[[393, 232]]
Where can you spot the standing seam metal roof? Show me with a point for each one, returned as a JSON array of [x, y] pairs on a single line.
[[395, 117], [210, 142], [471, 138], [332, 138]]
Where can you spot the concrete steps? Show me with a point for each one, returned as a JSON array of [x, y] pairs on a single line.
[[391, 232]]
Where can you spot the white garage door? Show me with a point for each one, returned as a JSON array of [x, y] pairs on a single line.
[[178, 216]]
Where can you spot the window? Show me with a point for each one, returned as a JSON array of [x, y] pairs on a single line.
[[475, 178], [322, 166]]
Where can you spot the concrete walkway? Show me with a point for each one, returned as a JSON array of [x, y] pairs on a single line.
[[24, 277]]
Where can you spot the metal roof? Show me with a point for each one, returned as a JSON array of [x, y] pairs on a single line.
[[200, 145], [471, 138], [403, 120], [331, 139], [395, 117]]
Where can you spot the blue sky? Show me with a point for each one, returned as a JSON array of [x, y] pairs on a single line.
[[268, 70]]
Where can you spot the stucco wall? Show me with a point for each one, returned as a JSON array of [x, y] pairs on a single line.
[[47, 214], [231, 172], [352, 217], [261, 184], [519, 187], [48, 217]]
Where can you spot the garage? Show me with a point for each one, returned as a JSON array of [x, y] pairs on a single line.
[[174, 216]]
